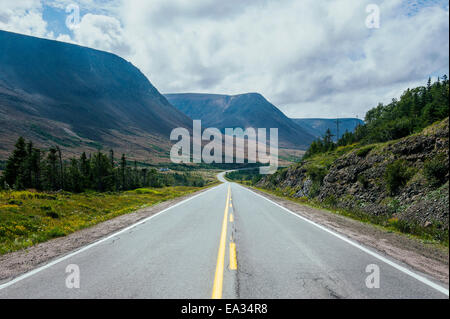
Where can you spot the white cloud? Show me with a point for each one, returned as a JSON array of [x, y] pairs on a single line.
[[310, 58], [92, 6], [103, 33], [23, 16]]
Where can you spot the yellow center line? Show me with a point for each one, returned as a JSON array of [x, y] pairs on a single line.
[[231, 218], [218, 278], [233, 260]]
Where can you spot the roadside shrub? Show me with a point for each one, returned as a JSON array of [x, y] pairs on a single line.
[[402, 225], [330, 201], [396, 176], [43, 196], [252, 177], [15, 202], [317, 174], [256, 179], [56, 232], [283, 173], [52, 214], [362, 152], [436, 170], [314, 190], [362, 179], [198, 183], [20, 230], [434, 232], [394, 206]]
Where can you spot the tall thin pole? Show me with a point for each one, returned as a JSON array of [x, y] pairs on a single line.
[[337, 129]]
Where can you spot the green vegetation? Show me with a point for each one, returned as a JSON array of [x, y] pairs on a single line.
[[247, 176], [362, 179], [363, 151], [322, 145], [315, 165], [378, 181], [416, 109], [31, 168], [436, 169], [397, 174], [64, 196], [67, 142], [28, 217], [435, 233]]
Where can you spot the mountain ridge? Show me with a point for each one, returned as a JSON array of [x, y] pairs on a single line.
[[318, 126], [241, 110], [80, 98]]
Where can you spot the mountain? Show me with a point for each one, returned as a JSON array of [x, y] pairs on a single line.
[[318, 127], [81, 99], [244, 110]]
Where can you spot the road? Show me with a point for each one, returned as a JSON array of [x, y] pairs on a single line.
[[227, 242]]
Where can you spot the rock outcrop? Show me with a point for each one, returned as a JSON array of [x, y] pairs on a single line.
[[356, 180]]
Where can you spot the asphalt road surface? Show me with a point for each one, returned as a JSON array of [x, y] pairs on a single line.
[[227, 242]]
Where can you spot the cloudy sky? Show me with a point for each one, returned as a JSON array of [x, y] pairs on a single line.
[[310, 58]]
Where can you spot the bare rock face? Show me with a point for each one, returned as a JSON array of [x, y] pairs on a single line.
[[355, 181]]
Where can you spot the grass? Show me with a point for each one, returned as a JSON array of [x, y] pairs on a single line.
[[325, 160], [65, 141], [28, 218]]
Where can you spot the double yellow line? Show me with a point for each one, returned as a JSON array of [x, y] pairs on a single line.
[[218, 278]]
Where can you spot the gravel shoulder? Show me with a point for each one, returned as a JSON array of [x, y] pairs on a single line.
[[426, 258], [19, 262]]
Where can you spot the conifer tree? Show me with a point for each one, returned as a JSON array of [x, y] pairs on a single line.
[[14, 171]]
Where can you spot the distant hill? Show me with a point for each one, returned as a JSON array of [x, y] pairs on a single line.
[[318, 127], [244, 110], [81, 99]]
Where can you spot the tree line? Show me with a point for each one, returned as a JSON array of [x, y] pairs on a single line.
[[31, 168], [321, 145], [416, 109]]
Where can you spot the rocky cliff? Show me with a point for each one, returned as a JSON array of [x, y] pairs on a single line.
[[404, 181]]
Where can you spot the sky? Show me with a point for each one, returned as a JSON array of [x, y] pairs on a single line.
[[309, 58]]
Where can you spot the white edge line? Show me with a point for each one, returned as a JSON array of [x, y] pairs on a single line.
[[383, 259], [54, 262]]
